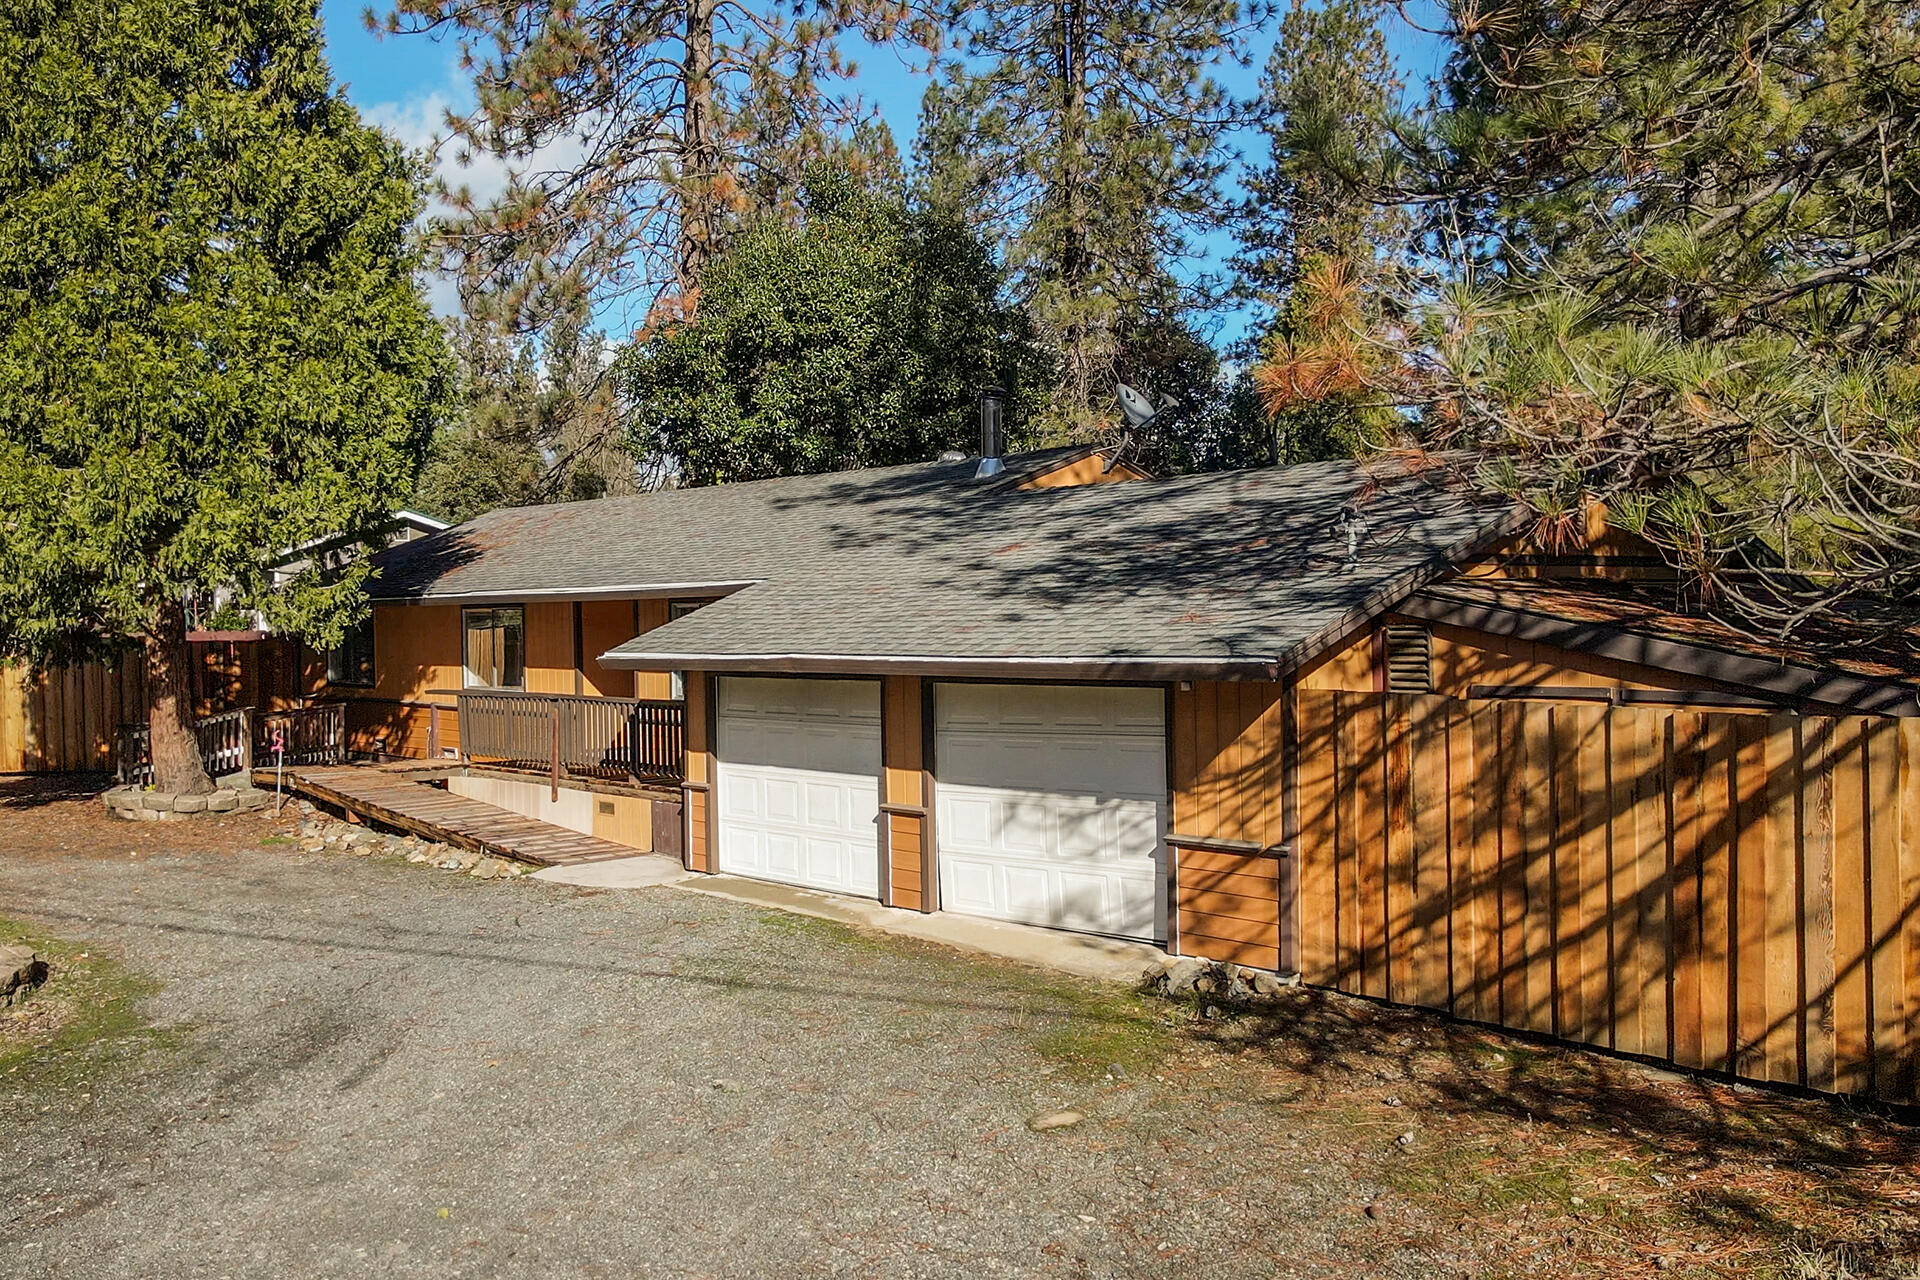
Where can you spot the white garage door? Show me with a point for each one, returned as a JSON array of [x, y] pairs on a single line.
[[1052, 805], [798, 782]]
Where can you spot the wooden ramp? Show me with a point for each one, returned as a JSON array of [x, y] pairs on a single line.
[[395, 799]]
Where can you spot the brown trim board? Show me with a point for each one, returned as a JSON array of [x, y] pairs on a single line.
[[1794, 683]]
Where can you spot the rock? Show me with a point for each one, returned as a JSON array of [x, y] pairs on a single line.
[[189, 804], [1117, 1071], [1392, 1100], [313, 846], [21, 970], [416, 856], [1266, 984], [1405, 1139], [1181, 976], [223, 800], [488, 869], [1065, 1118]]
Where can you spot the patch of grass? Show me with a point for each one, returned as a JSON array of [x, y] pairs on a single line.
[[271, 841], [1090, 1029], [85, 1021], [814, 928]]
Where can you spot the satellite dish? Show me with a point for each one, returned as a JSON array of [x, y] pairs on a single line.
[[1138, 406]]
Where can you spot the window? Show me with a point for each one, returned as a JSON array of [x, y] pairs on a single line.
[[677, 609], [351, 662], [1409, 654], [495, 649]]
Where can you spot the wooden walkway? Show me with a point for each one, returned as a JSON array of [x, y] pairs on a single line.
[[394, 799]]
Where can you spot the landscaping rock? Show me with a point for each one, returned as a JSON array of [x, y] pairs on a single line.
[[223, 800], [21, 970], [1181, 977], [1064, 1118]]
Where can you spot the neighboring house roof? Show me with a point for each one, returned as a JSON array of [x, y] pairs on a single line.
[[921, 566], [1637, 622]]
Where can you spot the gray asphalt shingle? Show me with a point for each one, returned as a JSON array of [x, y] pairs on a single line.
[[1243, 571]]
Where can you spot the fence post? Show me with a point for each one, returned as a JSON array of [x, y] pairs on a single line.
[[246, 742], [554, 706]]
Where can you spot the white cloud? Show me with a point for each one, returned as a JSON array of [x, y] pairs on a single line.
[[420, 124]]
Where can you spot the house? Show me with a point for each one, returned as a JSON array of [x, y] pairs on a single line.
[[1342, 720]]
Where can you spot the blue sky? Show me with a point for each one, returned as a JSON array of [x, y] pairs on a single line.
[[406, 83]]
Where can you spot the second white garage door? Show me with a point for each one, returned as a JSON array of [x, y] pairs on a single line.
[[798, 781], [1052, 805]]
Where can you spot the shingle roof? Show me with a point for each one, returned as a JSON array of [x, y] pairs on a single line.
[[1244, 571]]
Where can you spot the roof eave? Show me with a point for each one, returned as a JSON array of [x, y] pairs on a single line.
[[1785, 680], [1100, 667], [633, 591]]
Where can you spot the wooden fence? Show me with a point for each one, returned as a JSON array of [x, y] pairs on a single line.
[[68, 719], [1720, 890]]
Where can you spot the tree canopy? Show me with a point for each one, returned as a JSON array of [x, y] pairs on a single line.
[[212, 345], [860, 337]]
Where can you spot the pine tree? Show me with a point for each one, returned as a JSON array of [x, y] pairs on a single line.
[[1089, 141], [1677, 248], [638, 132], [1327, 87], [211, 342], [536, 421]]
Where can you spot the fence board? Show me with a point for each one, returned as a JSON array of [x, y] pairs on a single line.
[[1719, 890]]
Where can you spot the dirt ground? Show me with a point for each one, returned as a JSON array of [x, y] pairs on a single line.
[[254, 1061]]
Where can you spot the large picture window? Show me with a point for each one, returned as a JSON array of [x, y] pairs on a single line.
[[352, 661], [495, 650]]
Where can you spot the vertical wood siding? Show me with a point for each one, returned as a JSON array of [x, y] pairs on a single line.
[[1726, 891], [699, 852], [903, 783], [1227, 755]]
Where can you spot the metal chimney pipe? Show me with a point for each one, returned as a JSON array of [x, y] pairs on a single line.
[[993, 398]]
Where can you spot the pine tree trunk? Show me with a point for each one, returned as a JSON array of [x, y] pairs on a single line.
[[1075, 267], [699, 153], [175, 750]]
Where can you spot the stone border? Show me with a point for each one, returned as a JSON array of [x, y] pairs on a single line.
[[142, 804]]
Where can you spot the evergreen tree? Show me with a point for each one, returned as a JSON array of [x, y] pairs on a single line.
[[535, 422], [638, 131], [1089, 141], [860, 337], [211, 343], [1677, 273], [1327, 87]]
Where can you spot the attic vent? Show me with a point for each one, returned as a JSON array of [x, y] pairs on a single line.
[[1409, 660]]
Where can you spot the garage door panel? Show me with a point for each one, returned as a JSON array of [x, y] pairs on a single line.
[[1051, 805], [798, 771]]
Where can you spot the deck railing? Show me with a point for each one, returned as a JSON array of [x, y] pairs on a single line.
[[633, 739], [233, 740], [304, 735]]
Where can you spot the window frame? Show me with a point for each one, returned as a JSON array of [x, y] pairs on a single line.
[[494, 612], [338, 653]]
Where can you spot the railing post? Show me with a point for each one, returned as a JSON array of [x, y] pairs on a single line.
[[433, 732], [554, 705], [246, 742]]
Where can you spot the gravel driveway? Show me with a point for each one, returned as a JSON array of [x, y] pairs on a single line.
[[383, 1070]]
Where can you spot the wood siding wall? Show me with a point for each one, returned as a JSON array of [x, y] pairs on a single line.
[[417, 649], [904, 791], [700, 855], [1733, 892], [1228, 751]]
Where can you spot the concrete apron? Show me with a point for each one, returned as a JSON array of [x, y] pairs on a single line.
[[1077, 953]]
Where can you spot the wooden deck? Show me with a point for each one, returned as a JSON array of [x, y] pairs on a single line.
[[397, 798]]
